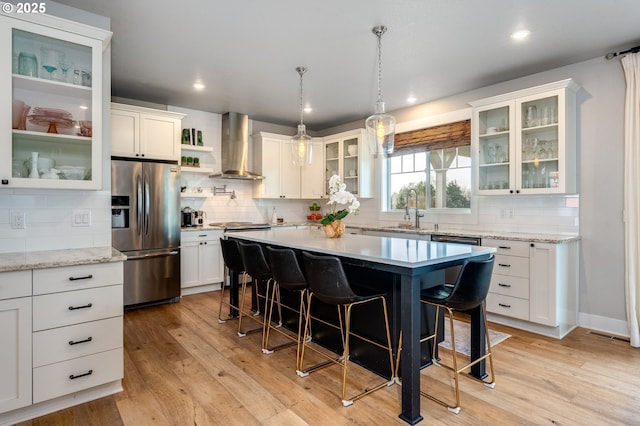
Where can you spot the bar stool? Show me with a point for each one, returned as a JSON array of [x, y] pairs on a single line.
[[468, 292], [255, 265], [232, 264], [328, 283], [286, 275]]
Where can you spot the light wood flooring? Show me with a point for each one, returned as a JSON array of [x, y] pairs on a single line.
[[184, 368]]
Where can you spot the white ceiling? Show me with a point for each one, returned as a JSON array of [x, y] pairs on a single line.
[[246, 51]]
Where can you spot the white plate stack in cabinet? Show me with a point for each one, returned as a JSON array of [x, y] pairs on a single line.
[[524, 142]]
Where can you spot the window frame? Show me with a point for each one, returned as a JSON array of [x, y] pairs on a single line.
[[431, 121]]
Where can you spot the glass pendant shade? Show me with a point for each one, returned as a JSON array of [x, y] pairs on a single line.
[[380, 131], [301, 148], [380, 126]]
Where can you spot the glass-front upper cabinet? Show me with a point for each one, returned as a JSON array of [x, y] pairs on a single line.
[[54, 75], [347, 156], [524, 141]]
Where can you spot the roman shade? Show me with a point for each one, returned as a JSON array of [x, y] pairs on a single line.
[[444, 136]]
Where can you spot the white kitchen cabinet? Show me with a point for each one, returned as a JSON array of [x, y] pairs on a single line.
[[201, 260], [347, 155], [15, 335], [534, 286], [524, 142], [139, 132], [272, 159], [53, 115], [77, 328]]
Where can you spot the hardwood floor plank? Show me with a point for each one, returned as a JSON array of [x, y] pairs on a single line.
[[183, 367]]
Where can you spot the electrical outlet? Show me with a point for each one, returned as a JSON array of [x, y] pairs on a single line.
[[18, 220]]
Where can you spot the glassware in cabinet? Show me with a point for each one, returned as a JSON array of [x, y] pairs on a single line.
[[51, 116]]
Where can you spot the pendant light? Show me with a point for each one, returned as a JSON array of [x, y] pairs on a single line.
[[380, 126], [301, 142]]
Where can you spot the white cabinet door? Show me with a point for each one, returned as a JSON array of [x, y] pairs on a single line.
[[125, 133], [160, 137], [271, 160], [210, 262], [189, 264], [15, 353], [542, 282], [289, 174], [312, 175]]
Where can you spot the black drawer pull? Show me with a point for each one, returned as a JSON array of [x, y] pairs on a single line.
[[86, 277], [73, 308], [76, 342], [504, 305], [504, 285], [504, 265], [504, 247], [73, 376]]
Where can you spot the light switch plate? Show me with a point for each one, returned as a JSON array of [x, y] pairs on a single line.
[[81, 218]]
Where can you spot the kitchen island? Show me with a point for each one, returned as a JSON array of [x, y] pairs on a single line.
[[409, 265]]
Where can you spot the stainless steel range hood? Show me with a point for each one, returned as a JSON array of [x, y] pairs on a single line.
[[235, 147]]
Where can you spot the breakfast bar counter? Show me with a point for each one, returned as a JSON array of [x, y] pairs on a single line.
[[408, 263]]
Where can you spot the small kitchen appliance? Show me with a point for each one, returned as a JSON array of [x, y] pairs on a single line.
[[188, 217]]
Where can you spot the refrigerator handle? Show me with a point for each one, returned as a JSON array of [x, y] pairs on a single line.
[[139, 205], [146, 207]]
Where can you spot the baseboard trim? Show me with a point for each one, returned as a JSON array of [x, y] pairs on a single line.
[[603, 324]]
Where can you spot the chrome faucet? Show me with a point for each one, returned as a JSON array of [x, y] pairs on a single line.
[[418, 214]]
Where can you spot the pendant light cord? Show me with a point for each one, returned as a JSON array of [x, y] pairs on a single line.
[[379, 33], [301, 71]]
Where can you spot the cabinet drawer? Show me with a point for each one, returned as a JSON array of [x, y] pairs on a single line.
[[15, 284], [508, 306], [511, 248], [511, 265], [74, 341], [77, 374], [52, 280], [73, 307], [196, 236], [510, 286]]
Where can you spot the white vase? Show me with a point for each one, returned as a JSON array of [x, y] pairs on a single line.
[[34, 166]]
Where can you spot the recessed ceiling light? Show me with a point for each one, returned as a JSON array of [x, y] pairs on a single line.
[[520, 34], [308, 109], [84, 107], [198, 85], [411, 99]]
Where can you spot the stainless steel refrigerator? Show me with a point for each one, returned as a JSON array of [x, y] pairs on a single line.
[[145, 226]]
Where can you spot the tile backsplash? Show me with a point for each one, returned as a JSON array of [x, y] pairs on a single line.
[[49, 216]]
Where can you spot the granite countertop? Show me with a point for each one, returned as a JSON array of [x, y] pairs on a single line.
[[498, 235], [58, 258]]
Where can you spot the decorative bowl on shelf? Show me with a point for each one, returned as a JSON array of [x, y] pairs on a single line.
[[51, 117], [73, 172], [352, 149]]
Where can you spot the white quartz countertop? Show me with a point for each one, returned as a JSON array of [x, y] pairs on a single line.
[[58, 258], [391, 251]]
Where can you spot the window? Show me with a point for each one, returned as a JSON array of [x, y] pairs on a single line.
[[441, 163]]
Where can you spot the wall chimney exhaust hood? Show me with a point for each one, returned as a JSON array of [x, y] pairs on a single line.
[[235, 147]]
